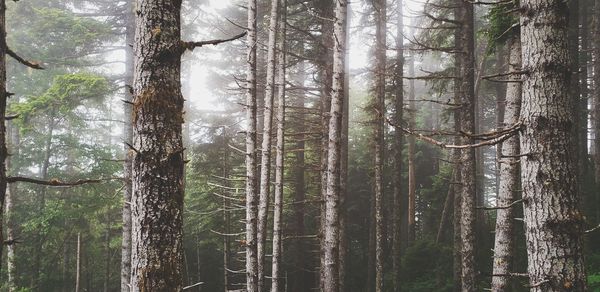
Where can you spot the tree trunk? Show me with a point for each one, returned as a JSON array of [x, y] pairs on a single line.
[[445, 217], [11, 195], [412, 196], [509, 177], [331, 228], [325, 9], [379, 7], [128, 138], [596, 93], [157, 176], [554, 224], [457, 115], [596, 103], [468, 162], [78, 267], [251, 196], [398, 145], [3, 98], [277, 275], [265, 170], [299, 279], [344, 162]]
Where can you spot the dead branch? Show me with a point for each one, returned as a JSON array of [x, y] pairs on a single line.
[[30, 64], [57, 183], [502, 207], [192, 45]]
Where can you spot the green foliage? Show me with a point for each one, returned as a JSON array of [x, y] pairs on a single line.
[[502, 24], [594, 282], [427, 267]]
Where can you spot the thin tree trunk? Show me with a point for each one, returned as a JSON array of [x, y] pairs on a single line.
[[251, 196], [509, 177], [344, 163], [11, 196], [277, 275], [127, 166], [468, 160], [596, 103], [226, 217], [298, 280], [78, 267], [107, 254], [412, 196], [596, 93], [265, 170], [445, 217], [398, 145], [379, 7], [331, 229], [554, 223], [158, 164]]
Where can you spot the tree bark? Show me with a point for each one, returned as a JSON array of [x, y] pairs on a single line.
[[325, 9], [251, 119], [457, 116], [509, 176], [265, 170], [379, 7], [331, 228], [468, 161], [277, 275], [344, 162], [157, 176], [128, 138], [3, 98], [554, 224], [398, 146], [11, 196]]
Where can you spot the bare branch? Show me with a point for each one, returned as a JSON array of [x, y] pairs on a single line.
[[21, 60], [57, 183], [192, 45]]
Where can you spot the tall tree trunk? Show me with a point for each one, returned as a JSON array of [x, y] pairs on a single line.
[[299, 279], [325, 10], [457, 116], [509, 176], [157, 176], [251, 196], [398, 145], [128, 138], [3, 98], [468, 160], [596, 93], [344, 162], [596, 102], [554, 224], [277, 275], [378, 134], [331, 228], [265, 170], [412, 195]]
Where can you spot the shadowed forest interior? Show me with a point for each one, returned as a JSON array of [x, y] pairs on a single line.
[[300, 145]]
